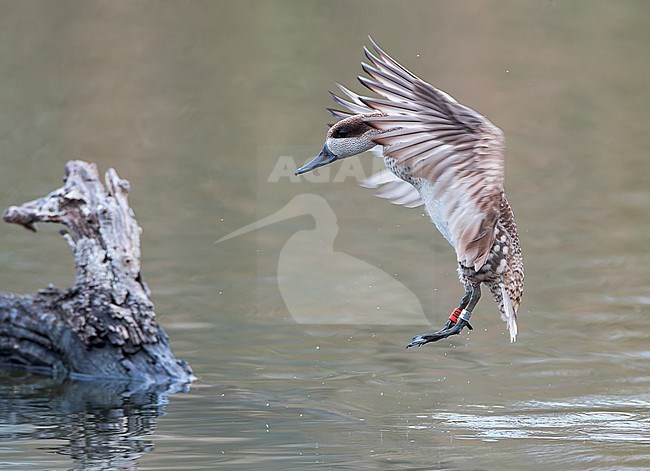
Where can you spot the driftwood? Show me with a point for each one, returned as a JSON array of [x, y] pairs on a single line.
[[104, 326]]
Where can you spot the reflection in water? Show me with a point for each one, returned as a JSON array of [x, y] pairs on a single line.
[[99, 425]]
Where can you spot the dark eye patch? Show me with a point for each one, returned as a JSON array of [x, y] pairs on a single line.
[[341, 132], [352, 129]]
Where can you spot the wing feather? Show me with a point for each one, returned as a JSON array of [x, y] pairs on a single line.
[[456, 149], [389, 186], [353, 104]]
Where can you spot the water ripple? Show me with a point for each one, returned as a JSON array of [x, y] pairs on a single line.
[[603, 419]]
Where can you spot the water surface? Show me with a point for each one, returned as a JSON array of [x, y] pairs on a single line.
[[196, 102]]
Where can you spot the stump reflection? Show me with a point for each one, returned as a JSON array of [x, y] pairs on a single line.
[[99, 425]]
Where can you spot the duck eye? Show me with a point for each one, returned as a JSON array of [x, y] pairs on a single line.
[[341, 132]]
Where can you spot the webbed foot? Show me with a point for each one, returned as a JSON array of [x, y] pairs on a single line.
[[454, 326]]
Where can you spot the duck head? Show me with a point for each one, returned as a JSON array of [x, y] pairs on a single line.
[[348, 137]]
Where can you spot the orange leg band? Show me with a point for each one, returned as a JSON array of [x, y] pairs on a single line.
[[453, 317]]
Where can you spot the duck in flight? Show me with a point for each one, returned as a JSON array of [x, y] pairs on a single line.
[[450, 158]]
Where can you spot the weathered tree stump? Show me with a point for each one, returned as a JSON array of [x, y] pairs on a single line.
[[104, 326]]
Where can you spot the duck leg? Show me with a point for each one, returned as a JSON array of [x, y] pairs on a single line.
[[458, 319]]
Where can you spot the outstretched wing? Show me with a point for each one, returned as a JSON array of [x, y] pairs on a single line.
[[352, 104], [459, 151]]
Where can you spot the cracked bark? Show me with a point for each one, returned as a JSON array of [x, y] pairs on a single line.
[[104, 325]]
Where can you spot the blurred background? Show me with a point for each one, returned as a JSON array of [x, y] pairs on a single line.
[[195, 103]]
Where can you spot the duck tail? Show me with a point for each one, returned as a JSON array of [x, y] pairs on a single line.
[[508, 314]]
